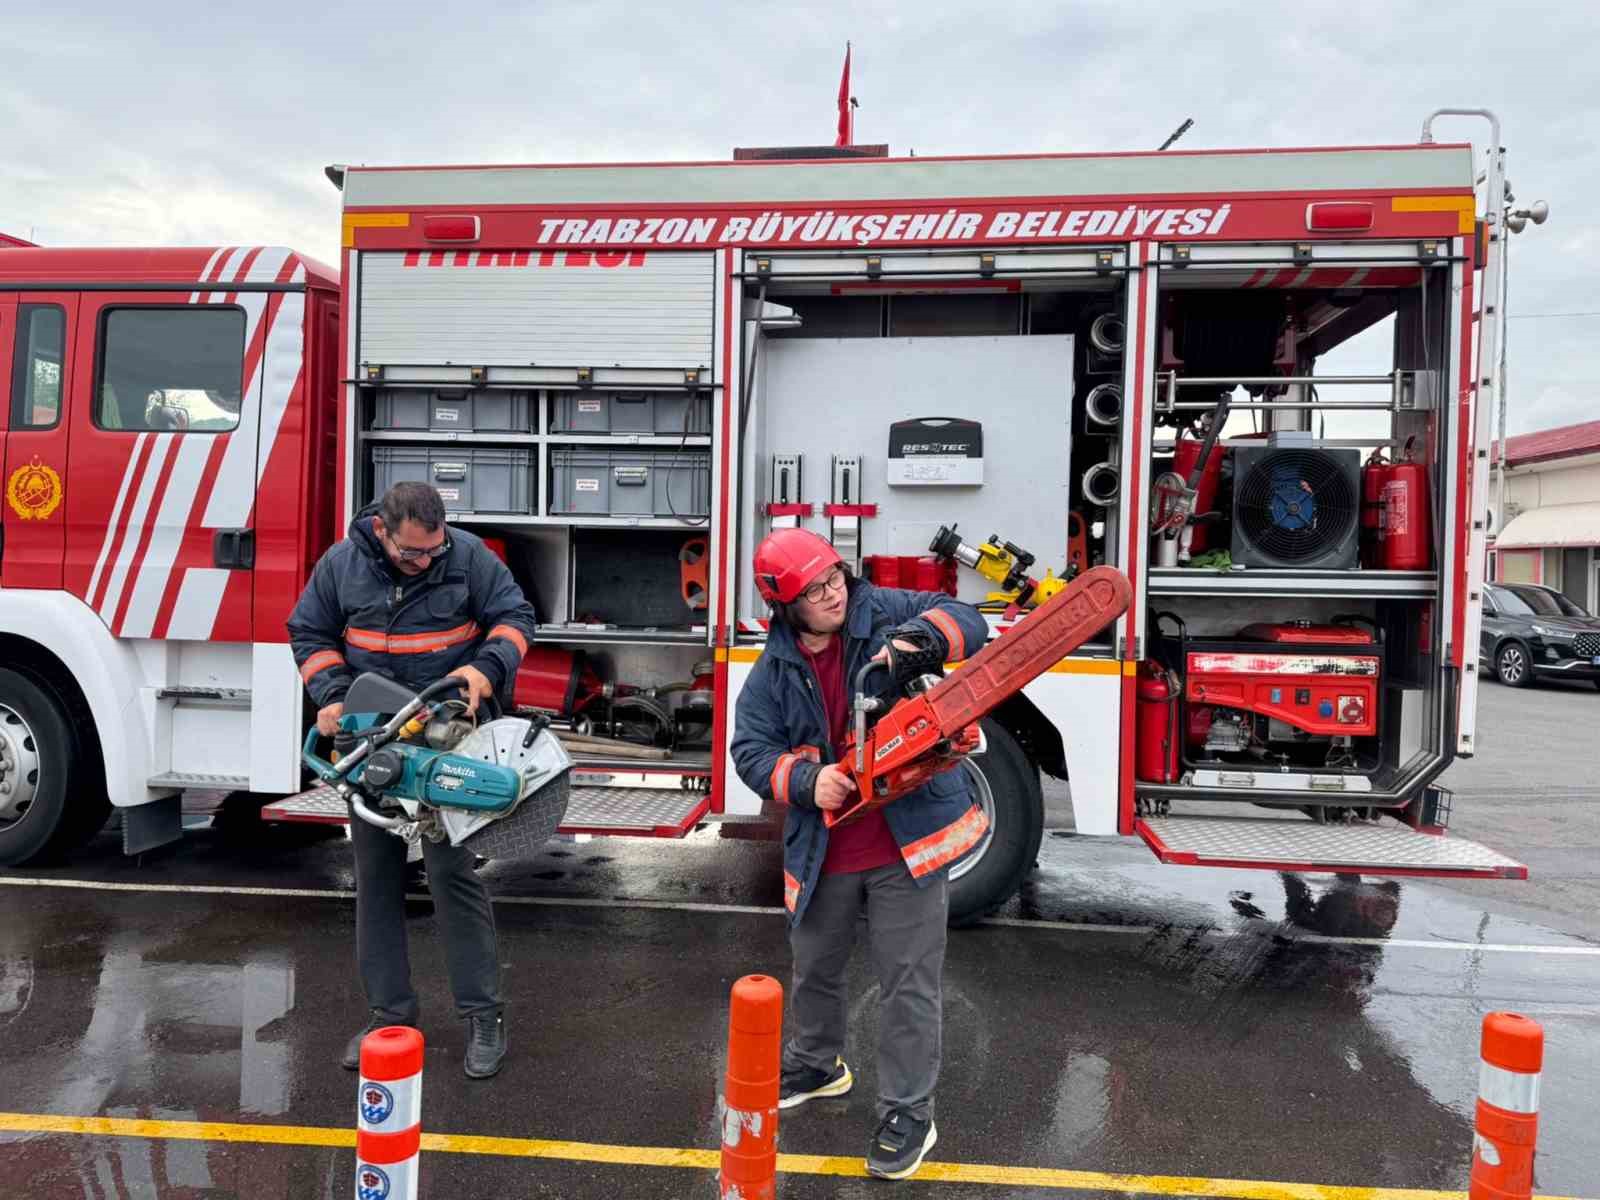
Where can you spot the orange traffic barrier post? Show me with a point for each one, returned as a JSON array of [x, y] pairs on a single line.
[[389, 1114], [749, 1100], [1507, 1124]]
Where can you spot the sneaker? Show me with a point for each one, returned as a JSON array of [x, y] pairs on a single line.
[[809, 1083], [352, 1050], [486, 1045], [900, 1145]]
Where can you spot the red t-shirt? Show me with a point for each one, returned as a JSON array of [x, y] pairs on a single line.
[[866, 843]]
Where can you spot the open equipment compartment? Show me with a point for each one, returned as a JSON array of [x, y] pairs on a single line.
[[883, 409], [578, 444], [1296, 652]]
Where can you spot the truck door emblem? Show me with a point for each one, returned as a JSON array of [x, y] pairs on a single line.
[[34, 491]]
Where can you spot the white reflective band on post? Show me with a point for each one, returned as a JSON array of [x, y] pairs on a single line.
[[1512, 1091], [389, 1105]]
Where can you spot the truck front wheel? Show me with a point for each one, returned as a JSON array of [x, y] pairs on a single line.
[[37, 747], [1007, 787]]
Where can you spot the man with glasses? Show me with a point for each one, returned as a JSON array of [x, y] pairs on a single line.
[[891, 866], [410, 598]]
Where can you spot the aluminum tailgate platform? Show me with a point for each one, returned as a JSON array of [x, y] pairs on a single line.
[[1300, 844]]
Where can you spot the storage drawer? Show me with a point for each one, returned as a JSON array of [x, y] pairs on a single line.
[[463, 410], [629, 483], [469, 479], [631, 412]]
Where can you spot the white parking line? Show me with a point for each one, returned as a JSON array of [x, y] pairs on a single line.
[[760, 910]]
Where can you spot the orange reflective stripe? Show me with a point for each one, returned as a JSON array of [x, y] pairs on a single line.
[[791, 891], [950, 843], [781, 771], [512, 635], [947, 625], [809, 753], [410, 643], [319, 662]]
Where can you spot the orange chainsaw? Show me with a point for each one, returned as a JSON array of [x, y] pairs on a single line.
[[896, 746]]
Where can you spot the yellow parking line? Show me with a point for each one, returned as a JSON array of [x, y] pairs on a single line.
[[707, 1160]]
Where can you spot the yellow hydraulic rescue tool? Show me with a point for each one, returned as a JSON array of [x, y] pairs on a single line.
[[1004, 564]]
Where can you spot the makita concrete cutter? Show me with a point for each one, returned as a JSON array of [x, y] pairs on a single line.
[[420, 766]]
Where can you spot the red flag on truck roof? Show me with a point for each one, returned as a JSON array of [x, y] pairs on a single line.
[[845, 132]]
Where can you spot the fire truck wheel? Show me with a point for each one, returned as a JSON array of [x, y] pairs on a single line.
[[1007, 787], [37, 747], [1511, 664]]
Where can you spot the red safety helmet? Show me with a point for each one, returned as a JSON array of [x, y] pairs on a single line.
[[788, 561]]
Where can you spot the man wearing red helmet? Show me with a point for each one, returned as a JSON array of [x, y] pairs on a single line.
[[790, 724]]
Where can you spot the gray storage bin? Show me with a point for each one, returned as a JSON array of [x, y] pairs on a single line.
[[629, 483], [631, 412], [453, 410], [469, 479]]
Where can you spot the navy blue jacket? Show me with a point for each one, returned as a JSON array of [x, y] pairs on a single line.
[[781, 742], [354, 616]]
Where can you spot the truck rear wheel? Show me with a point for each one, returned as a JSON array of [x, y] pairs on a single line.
[[37, 746], [1007, 787]]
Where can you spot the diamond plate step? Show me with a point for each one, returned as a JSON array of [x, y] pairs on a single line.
[[655, 812], [1300, 844], [659, 812], [195, 779], [320, 805]]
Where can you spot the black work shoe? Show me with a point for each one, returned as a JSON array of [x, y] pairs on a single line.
[[352, 1051], [900, 1145], [800, 1084], [486, 1045]]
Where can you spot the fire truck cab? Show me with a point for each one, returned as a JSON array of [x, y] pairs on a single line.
[[166, 427]]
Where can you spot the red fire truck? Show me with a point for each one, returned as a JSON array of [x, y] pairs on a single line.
[[973, 374]]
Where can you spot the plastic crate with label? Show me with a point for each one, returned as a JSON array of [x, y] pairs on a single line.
[[664, 413], [462, 410], [598, 482], [471, 479]]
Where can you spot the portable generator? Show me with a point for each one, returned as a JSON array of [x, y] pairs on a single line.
[[1286, 695]]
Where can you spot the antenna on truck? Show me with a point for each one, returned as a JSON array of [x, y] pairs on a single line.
[[1176, 134]]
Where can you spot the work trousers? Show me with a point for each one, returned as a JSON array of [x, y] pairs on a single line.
[[906, 938], [461, 903]]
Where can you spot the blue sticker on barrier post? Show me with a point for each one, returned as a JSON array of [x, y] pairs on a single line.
[[377, 1102], [371, 1182]]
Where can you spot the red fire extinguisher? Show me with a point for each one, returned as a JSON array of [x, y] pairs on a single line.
[[1184, 457], [1156, 728], [1405, 533], [1374, 475]]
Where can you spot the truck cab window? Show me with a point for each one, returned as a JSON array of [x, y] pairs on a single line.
[[171, 370], [36, 373]]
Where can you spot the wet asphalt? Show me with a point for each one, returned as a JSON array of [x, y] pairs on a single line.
[[1122, 1017]]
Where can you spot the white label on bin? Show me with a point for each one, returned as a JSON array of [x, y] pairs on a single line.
[[446, 414], [586, 485], [589, 406], [450, 493]]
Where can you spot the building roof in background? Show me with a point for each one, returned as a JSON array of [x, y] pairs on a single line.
[[1566, 441]]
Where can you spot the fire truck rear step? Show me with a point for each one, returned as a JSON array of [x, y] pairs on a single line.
[[661, 812], [1300, 844], [320, 805], [658, 812]]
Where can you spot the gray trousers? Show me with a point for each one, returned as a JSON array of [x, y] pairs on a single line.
[[906, 936], [461, 902]]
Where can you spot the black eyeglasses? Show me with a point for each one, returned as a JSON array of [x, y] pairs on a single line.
[[411, 553], [834, 580]]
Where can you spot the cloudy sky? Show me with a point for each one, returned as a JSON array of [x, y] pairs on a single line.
[[176, 123]]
